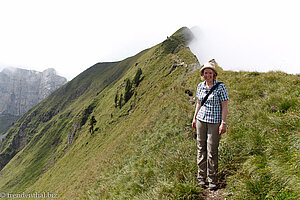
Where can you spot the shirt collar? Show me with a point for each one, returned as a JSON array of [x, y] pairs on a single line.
[[215, 82]]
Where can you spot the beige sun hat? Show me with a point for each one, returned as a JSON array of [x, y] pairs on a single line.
[[209, 65]]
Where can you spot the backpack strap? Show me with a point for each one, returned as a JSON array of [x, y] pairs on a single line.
[[210, 91]]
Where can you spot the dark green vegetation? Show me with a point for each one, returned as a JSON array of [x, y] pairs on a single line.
[[178, 40], [129, 89], [146, 149], [5, 123]]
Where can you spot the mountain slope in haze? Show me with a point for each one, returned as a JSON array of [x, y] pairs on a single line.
[[145, 148], [21, 89]]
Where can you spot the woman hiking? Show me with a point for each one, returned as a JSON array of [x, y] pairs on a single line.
[[210, 122]]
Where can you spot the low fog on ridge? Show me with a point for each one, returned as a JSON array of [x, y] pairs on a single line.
[[244, 52]]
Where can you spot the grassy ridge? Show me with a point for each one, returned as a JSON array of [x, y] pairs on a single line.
[[262, 144]]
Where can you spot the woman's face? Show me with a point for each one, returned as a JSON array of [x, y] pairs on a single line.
[[208, 74]]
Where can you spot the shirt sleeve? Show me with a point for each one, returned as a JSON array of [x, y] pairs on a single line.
[[223, 94], [198, 91]]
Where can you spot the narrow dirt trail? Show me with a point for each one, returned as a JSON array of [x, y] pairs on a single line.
[[213, 195]]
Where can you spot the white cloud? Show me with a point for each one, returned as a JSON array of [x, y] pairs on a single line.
[[255, 36], [71, 36]]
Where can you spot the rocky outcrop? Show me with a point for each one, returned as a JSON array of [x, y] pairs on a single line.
[[21, 89]]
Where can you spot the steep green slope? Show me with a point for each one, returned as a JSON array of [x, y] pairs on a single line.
[[44, 129], [137, 148], [146, 149]]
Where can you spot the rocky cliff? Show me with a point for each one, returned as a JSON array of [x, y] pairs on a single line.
[[21, 89]]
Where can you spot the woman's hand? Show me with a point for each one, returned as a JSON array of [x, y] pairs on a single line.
[[194, 123], [198, 106], [222, 129]]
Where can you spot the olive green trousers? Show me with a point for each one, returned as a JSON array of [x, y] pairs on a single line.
[[208, 138]]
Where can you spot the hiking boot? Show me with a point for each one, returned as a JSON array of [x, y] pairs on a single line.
[[203, 184], [212, 186]]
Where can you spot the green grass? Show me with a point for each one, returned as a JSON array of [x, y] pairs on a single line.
[[147, 149], [260, 153]]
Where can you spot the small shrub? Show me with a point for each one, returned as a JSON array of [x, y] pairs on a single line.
[[187, 91], [86, 113]]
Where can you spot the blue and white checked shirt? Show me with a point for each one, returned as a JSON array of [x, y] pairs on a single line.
[[211, 111]]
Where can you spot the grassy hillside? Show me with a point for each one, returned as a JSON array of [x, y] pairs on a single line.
[[146, 149], [263, 139]]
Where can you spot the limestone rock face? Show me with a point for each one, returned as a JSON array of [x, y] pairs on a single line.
[[22, 89]]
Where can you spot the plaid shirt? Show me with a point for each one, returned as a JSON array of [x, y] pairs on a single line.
[[211, 111]]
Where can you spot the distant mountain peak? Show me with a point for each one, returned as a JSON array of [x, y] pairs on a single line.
[[15, 69], [21, 89], [179, 39], [50, 70], [8, 70], [185, 34]]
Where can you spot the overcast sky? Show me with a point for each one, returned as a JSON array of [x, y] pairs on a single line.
[[72, 35]]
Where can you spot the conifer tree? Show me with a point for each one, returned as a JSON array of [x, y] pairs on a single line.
[[120, 101], [92, 124], [136, 79], [116, 100], [128, 91]]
